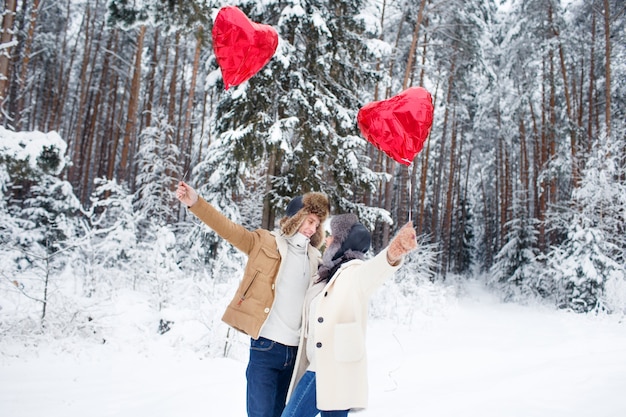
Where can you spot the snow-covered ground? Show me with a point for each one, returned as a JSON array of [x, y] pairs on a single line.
[[473, 356]]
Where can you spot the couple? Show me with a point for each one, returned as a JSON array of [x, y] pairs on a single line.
[[306, 314]]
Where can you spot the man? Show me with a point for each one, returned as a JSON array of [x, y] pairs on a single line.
[[268, 303]]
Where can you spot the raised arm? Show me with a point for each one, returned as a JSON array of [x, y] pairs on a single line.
[[234, 233]]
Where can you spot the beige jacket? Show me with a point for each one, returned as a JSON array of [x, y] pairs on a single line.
[[341, 360], [254, 298]]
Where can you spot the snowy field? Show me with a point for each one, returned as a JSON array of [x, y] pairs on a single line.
[[472, 357]]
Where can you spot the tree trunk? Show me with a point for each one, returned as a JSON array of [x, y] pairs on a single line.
[[113, 121], [461, 233], [488, 229], [420, 215], [543, 157], [133, 104], [178, 128], [449, 207], [186, 139], [413, 48], [268, 218], [93, 133], [552, 129], [151, 79], [28, 42], [395, 48], [207, 102], [388, 198], [171, 112], [63, 80], [508, 194], [379, 60], [6, 40], [568, 104], [523, 166], [498, 193], [421, 212], [592, 81], [75, 140], [434, 231], [162, 90], [607, 67]]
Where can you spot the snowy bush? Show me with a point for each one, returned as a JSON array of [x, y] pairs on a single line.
[[583, 270], [411, 293], [588, 266], [516, 270]]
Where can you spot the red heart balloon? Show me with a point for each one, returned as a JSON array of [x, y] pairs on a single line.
[[399, 125], [241, 46]]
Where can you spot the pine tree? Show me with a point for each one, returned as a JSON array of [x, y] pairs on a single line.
[[515, 269], [591, 257], [50, 224], [157, 165], [114, 239], [297, 116], [581, 269]]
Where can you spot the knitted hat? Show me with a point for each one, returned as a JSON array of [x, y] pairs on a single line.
[[300, 207]]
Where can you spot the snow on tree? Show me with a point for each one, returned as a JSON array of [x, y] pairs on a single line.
[[581, 269], [515, 270], [595, 241], [114, 240], [590, 260], [45, 214], [158, 171], [297, 116]]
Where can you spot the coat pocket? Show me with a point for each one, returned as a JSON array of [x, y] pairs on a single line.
[[349, 342]]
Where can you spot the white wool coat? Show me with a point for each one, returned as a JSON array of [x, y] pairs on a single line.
[[340, 328]]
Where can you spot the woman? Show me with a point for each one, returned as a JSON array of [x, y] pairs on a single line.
[[331, 365]]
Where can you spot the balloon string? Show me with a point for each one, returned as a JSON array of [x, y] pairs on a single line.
[[410, 197]]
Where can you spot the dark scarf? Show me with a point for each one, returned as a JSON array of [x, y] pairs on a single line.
[[327, 269]]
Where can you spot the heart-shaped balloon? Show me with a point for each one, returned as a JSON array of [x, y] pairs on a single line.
[[241, 46], [399, 125]]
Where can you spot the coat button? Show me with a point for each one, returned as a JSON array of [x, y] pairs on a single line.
[[267, 310], [318, 344], [326, 294], [320, 319]]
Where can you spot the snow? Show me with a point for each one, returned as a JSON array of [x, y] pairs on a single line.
[[319, 22], [27, 146], [379, 48], [466, 355]]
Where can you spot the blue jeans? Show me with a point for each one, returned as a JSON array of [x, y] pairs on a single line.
[[268, 374], [303, 401]]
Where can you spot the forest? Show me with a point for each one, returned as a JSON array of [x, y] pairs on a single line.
[[106, 105]]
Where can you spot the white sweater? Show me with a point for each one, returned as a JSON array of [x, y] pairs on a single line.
[[284, 321]]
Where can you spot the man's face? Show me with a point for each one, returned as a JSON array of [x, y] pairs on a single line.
[[310, 225]]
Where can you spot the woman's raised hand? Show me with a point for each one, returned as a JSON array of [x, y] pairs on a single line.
[[404, 242]]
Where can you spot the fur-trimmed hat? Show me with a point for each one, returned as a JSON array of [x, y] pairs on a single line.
[[348, 235], [351, 240], [301, 206]]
